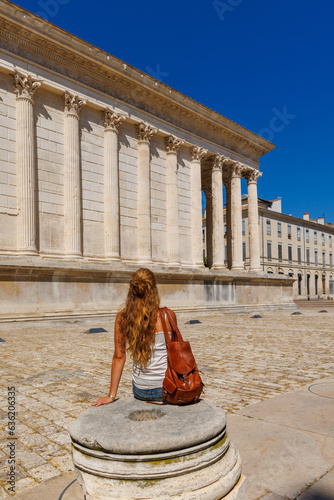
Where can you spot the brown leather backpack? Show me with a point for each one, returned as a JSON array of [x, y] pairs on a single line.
[[182, 382]]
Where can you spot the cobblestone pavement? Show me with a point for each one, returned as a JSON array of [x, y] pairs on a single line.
[[57, 370]]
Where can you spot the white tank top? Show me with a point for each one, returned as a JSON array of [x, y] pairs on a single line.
[[152, 376]]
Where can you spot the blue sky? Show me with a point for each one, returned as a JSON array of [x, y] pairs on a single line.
[[268, 65]]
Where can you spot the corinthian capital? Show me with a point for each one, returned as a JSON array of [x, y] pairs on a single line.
[[111, 120], [218, 162], [145, 132], [197, 153], [252, 175], [173, 144], [236, 169], [73, 104], [207, 191], [25, 87]]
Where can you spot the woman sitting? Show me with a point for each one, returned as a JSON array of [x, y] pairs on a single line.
[[138, 329]]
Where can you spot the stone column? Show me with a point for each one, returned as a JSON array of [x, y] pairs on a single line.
[[228, 222], [172, 146], [111, 123], [218, 246], [72, 176], [145, 133], [196, 205], [236, 216], [208, 196], [253, 221], [26, 164]]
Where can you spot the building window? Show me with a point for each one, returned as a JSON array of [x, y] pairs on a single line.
[[269, 250], [290, 253], [330, 259], [308, 256], [331, 286], [280, 254], [203, 234], [225, 229], [323, 259], [307, 234], [299, 251], [315, 257], [279, 228], [298, 233], [268, 226], [243, 226], [323, 238], [315, 237], [300, 277], [330, 241], [289, 231], [225, 253], [244, 251]]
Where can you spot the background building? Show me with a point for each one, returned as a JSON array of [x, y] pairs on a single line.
[[299, 248]]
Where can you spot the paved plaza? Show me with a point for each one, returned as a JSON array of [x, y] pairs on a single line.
[[57, 370]]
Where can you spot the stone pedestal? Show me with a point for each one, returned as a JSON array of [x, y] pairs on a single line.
[[131, 449]]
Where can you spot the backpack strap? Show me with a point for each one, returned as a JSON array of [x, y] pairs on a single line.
[[175, 329], [164, 326]]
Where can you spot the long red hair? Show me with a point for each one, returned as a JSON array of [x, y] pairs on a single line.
[[138, 319]]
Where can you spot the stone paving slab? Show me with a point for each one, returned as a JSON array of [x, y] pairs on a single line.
[[64, 487], [286, 443], [322, 490], [57, 370], [307, 410]]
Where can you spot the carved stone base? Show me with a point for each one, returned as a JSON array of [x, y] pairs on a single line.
[[130, 449]]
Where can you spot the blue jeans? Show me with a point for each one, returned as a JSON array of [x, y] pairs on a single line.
[[147, 394]]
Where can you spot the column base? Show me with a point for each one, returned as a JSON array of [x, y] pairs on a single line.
[[73, 255], [173, 264], [218, 266], [255, 269], [145, 261], [27, 252], [238, 268], [112, 257]]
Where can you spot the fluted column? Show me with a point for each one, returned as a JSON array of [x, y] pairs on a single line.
[[253, 221], [236, 216], [26, 164], [208, 196], [145, 133], [72, 176], [196, 205], [228, 222], [172, 146], [111, 123], [218, 247]]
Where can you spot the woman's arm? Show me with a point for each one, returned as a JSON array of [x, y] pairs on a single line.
[[116, 367]]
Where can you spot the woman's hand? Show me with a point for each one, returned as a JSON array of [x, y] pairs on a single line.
[[103, 401]]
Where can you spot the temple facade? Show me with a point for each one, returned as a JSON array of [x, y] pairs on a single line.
[[102, 170]]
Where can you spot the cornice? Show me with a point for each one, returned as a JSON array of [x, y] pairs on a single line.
[[27, 36], [295, 220]]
